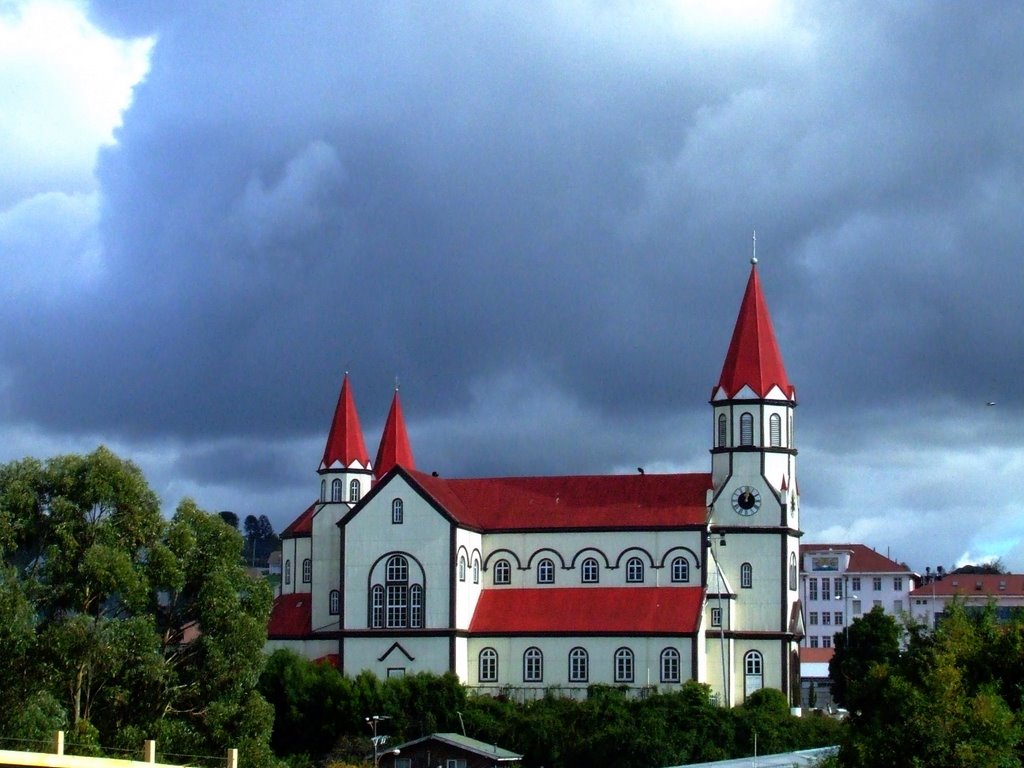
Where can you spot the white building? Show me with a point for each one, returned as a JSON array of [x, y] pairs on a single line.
[[842, 582], [530, 582]]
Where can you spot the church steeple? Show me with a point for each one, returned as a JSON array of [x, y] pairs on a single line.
[[345, 446], [753, 359], [394, 443]]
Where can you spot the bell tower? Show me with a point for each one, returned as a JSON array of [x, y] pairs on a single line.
[[754, 511]]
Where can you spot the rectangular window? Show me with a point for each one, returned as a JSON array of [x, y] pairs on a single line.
[[839, 618], [826, 589], [876, 583], [812, 589], [814, 617], [716, 617], [876, 603], [396, 671], [814, 641], [826, 617], [855, 584], [838, 589], [897, 583], [856, 608], [826, 642], [452, 763], [897, 606], [397, 606]]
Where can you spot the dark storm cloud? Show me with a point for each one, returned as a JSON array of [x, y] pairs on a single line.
[[541, 216]]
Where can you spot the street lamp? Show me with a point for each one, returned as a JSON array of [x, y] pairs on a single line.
[[378, 741]]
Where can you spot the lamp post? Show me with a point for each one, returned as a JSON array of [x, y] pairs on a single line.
[[378, 741]]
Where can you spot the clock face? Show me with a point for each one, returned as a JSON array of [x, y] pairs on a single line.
[[746, 500]]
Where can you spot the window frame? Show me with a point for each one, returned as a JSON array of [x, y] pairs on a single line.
[[579, 665], [624, 666], [775, 430], [723, 431], [546, 571], [334, 602], [502, 572], [307, 571], [680, 570], [635, 571], [746, 576], [533, 665], [590, 571], [746, 429], [487, 665], [670, 666], [336, 490], [397, 512], [354, 490]]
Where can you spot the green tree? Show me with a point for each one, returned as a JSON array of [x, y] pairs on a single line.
[[872, 640]]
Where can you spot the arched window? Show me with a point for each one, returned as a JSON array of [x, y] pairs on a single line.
[[502, 572], [287, 571], [723, 430], [670, 665], [397, 584], [634, 570], [462, 568], [590, 571], [323, 490], [487, 670], [353, 490], [775, 430], [533, 666], [377, 606], [746, 576], [680, 570], [334, 603], [546, 571], [579, 665], [792, 571], [416, 606], [746, 429], [336, 489], [624, 666], [753, 668], [397, 512], [476, 571], [307, 571]]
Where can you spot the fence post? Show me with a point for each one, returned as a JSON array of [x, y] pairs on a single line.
[[232, 758], [149, 751], [58, 743]]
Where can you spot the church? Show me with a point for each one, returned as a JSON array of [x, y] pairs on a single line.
[[519, 584]]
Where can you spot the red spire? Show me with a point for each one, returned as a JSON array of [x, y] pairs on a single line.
[[345, 444], [394, 443], [753, 359]]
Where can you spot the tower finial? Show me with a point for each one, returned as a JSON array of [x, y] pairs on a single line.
[[396, 383], [753, 258]]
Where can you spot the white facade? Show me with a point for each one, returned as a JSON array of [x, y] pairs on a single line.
[[527, 583]]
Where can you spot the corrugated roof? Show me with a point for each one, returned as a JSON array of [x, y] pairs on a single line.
[[290, 616], [967, 584], [576, 501], [482, 748], [302, 525], [630, 610], [863, 559]]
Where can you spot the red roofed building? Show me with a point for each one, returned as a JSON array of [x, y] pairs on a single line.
[[529, 582], [842, 582]]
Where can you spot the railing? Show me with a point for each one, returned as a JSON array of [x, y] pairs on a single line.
[[60, 755]]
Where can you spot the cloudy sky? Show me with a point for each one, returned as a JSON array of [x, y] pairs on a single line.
[[538, 217]]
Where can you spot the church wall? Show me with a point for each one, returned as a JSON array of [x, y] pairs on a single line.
[[601, 659], [293, 552], [756, 608], [309, 649], [326, 553], [429, 654], [423, 535], [470, 579]]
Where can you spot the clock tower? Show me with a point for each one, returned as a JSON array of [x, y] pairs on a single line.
[[754, 510]]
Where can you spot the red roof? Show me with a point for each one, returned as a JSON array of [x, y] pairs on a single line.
[[290, 616], [577, 501], [863, 559], [580, 610], [816, 655], [394, 443], [301, 525], [345, 444], [979, 584], [753, 359]]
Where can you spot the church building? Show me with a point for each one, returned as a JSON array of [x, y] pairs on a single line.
[[524, 583]]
